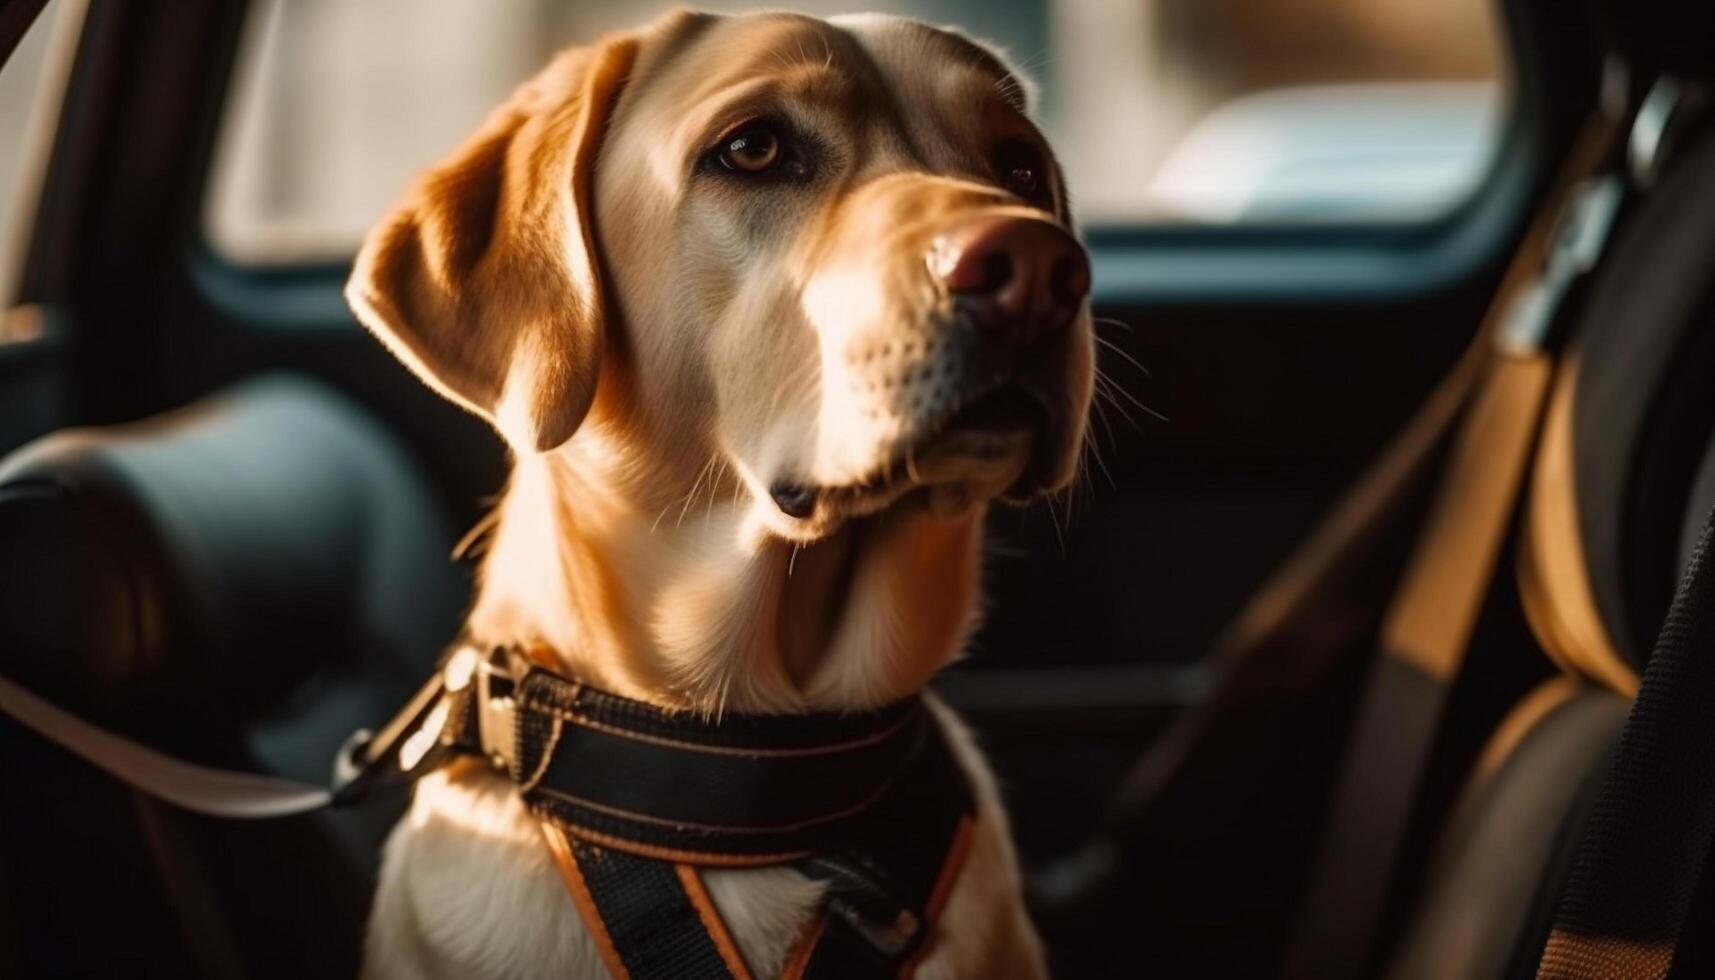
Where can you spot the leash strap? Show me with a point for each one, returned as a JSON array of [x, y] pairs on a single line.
[[15, 21], [1647, 844], [202, 789]]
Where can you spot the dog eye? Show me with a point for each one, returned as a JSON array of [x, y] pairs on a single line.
[[1019, 168], [752, 150]]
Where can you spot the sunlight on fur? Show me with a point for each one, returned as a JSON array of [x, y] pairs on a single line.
[[768, 331]]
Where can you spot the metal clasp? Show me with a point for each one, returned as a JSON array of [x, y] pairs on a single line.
[[497, 714], [495, 707]]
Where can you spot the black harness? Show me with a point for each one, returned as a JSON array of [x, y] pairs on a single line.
[[634, 800]]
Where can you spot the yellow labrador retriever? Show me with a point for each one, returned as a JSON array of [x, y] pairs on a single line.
[[769, 309]]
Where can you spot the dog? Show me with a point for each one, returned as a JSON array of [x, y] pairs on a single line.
[[769, 310]]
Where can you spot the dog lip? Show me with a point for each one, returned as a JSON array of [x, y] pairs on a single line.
[[979, 426], [1050, 434], [1008, 408], [1005, 408]]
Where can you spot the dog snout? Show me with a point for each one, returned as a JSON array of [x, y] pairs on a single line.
[[1025, 273]]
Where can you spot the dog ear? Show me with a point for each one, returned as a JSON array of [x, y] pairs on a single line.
[[485, 279]]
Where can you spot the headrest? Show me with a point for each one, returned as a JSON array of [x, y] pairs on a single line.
[[208, 559], [1673, 36]]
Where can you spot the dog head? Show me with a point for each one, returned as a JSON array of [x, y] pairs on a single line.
[[833, 259]]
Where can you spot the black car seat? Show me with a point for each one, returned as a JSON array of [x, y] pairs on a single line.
[[243, 582], [1623, 480]]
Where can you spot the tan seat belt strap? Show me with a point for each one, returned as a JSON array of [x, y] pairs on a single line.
[[1428, 626]]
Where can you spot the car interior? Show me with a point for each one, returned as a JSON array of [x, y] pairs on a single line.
[[230, 529]]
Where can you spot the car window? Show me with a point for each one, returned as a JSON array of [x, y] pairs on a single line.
[[31, 83], [1165, 111]]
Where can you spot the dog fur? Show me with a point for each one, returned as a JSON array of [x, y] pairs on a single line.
[[660, 347]]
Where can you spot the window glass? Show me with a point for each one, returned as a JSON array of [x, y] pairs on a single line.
[[31, 83], [1202, 111]]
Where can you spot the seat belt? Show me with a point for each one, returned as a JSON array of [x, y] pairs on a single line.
[[1648, 839], [1429, 623], [16, 16]]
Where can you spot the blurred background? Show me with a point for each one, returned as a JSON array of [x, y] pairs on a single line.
[[1163, 110], [1211, 111]]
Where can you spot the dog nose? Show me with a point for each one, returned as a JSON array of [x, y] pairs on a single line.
[[1028, 269]]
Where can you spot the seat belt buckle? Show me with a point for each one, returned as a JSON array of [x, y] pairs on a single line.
[[1580, 233]]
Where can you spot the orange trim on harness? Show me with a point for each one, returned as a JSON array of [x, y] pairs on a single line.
[[699, 858], [712, 921], [950, 869], [581, 897], [799, 961]]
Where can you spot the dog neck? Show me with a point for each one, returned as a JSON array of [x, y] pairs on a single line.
[[681, 606]]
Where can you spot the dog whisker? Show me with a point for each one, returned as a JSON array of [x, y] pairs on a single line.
[[1070, 497], [702, 474], [1099, 413], [1117, 349], [714, 489], [475, 540], [1105, 395], [1108, 321], [1134, 400], [1093, 449], [1054, 522]]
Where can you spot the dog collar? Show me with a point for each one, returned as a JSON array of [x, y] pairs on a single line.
[[634, 800]]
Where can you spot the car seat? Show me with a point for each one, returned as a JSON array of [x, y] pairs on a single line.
[[243, 582], [1625, 477]]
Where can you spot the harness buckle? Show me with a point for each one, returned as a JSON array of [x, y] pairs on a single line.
[[495, 707]]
